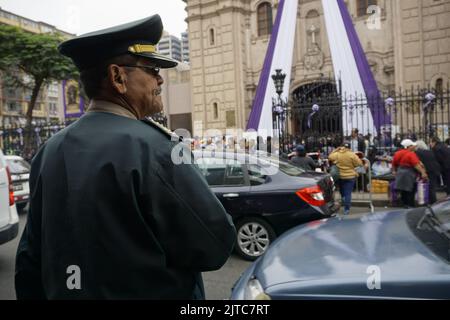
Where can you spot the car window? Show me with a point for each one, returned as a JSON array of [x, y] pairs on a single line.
[[289, 169], [442, 210], [221, 172], [18, 166], [256, 175], [234, 175], [279, 164]]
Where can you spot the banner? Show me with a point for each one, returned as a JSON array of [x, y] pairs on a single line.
[[72, 99]]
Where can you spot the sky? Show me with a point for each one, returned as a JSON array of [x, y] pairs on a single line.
[[82, 16]]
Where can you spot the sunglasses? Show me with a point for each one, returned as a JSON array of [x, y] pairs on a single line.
[[151, 70]]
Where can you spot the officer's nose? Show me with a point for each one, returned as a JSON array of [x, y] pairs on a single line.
[[160, 80]]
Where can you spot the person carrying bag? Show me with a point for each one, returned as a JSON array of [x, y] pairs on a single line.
[[405, 166]]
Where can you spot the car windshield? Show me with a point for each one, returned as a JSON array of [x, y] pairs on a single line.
[[442, 211], [18, 166], [283, 165], [269, 165], [431, 225]]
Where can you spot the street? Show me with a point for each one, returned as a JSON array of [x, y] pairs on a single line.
[[218, 283]]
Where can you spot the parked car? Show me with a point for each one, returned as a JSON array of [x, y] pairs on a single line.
[[20, 174], [9, 220], [401, 254], [265, 197]]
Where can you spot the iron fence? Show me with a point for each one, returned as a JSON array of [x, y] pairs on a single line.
[[12, 137], [322, 119]]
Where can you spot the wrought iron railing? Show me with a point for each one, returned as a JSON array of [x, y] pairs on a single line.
[[12, 137], [325, 120]]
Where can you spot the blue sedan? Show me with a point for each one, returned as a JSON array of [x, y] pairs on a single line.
[[403, 254]]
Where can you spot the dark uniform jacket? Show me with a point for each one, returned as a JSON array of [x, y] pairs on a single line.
[[107, 198]]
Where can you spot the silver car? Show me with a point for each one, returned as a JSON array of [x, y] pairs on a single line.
[[9, 220], [20, 174]]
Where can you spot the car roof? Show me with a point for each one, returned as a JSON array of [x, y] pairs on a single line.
[[12, 157], [237, 155]]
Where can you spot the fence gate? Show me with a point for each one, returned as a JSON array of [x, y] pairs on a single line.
[[316, 112]]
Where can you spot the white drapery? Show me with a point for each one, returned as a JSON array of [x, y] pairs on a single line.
[[345, 67]]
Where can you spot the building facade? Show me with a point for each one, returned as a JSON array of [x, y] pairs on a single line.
[[14, 101], [185, 47], [176, 96], [170, 46], [407, 43]]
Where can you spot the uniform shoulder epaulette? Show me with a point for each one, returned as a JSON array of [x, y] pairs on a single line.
[[173, 136]]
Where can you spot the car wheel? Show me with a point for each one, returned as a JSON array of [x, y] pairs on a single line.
[[254, 236]]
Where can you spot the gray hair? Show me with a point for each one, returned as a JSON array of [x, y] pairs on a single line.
[[421, 145]]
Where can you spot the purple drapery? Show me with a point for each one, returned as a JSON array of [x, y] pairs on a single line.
[[258, 102], [379, 115]]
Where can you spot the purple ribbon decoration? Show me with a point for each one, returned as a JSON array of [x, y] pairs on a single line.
[[351, 107], [429, 97], [20, 131], [390, 103], [54, 130], [38, 136], [278, 109], [315, 109]]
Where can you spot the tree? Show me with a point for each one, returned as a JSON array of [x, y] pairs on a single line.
[[32, 61]]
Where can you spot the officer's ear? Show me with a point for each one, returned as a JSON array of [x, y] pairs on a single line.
[[117, 78]]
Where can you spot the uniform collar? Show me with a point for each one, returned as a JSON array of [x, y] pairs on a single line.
[[110, 107]]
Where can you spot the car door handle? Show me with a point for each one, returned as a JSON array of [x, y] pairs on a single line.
[[231, 195]]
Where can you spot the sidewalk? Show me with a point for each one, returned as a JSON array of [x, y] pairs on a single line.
[[361, 199]]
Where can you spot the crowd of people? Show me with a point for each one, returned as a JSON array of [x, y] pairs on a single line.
[[418, 161], [413, 163]]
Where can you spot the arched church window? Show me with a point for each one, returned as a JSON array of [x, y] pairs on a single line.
[[363, 5], [439, 86], [212, 40], [215, 110], [265, 22]]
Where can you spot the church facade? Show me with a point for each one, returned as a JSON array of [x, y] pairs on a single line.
[[407, 44]]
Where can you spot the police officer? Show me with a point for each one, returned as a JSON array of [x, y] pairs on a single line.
[[111, 215]]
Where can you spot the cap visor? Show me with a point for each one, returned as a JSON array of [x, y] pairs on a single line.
[[160, 60]]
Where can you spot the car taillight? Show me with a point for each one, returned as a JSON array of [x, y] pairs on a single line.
[[11, 190], [312, 195]]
